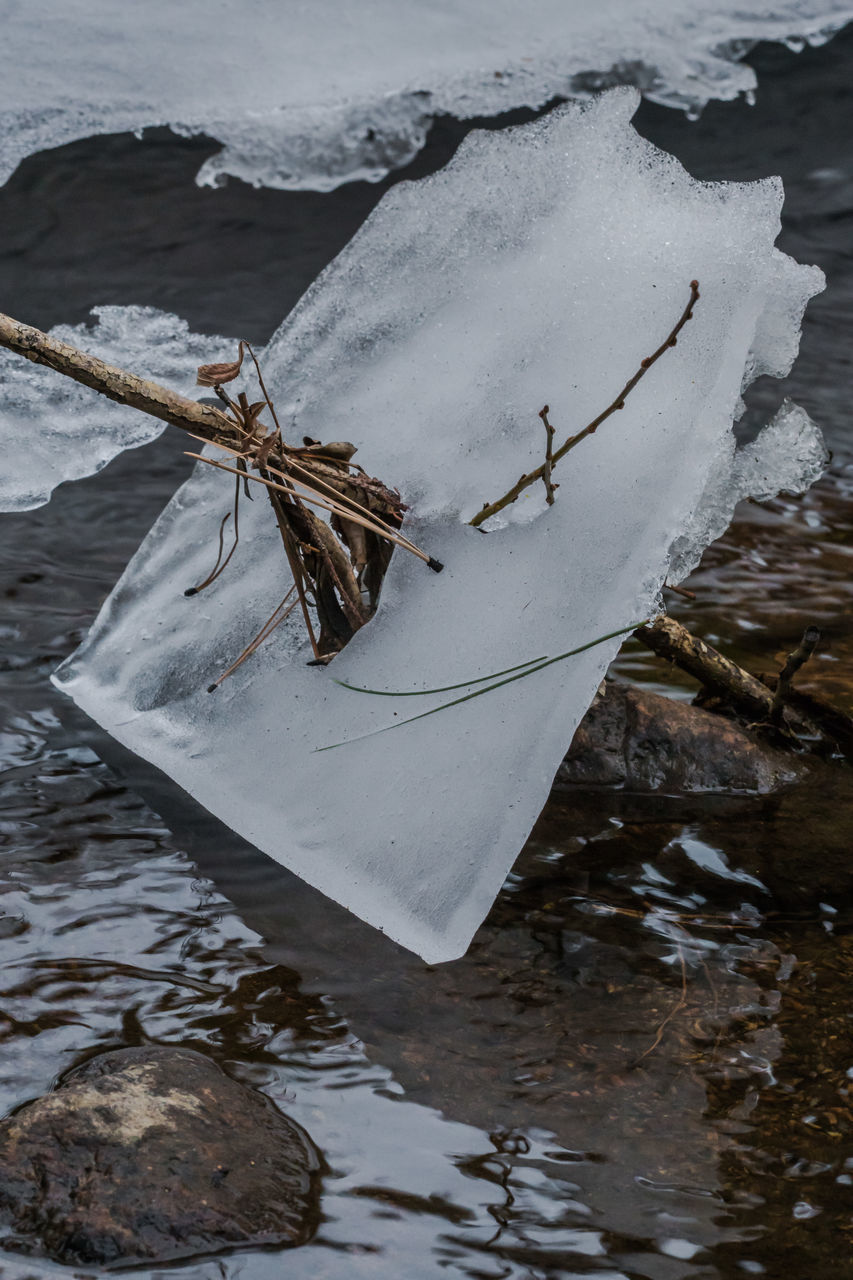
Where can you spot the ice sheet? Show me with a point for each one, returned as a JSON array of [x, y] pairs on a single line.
[[311, 95], [541, 265], [788, 455], [52, 429]]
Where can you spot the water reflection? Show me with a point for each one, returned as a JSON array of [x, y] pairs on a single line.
[[638, 1070]]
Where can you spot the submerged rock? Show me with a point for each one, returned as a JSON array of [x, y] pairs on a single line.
[[153, 1153], [645, 742]]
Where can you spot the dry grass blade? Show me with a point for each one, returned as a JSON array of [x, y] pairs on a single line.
[[478, 693], [342, 505], [221, 565], [318, 500], [676, 1009], [266, 630]]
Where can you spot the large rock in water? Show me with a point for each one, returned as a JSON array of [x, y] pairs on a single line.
[[153, 1153], [639, 740]]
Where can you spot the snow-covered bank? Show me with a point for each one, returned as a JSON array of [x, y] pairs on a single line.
[[315, 95]]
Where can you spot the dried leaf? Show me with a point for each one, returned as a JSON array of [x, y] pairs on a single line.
[[213, 375]]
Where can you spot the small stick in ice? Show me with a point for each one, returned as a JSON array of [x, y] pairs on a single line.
[[492, 508]]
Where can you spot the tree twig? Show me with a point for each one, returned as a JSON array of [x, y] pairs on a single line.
[[549, 457], [795, 660], [524, 482], [676, 1009]]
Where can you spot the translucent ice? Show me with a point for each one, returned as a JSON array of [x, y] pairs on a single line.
[[52, 429], [310, 95], [541, 266], [789, 454]]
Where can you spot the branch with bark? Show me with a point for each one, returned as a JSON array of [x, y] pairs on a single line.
[[337, 567]]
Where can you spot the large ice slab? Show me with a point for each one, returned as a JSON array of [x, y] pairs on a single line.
[[542, 265], [53, 429], [311, 95]]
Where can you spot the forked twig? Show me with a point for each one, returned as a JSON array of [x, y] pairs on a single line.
[[524, 482]]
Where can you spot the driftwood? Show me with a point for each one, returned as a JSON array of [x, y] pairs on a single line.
[[770, 704], [674, 643], [117, 384]]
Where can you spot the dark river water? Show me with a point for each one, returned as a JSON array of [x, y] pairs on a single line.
[[643, 1066]]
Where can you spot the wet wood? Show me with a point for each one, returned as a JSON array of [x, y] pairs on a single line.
[[673, 642]]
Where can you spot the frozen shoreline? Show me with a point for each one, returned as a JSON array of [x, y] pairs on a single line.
[[312, 98]]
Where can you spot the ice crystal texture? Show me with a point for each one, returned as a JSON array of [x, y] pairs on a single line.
[[53, 429], [789, 454], [543, 264], [311, 95]]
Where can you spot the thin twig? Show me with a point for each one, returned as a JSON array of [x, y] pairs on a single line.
[[524, 482], [680, 591], [265, 632], [549, 457], [795, 660], [264, 391]]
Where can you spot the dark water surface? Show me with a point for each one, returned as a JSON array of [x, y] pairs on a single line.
[[642, 1067]]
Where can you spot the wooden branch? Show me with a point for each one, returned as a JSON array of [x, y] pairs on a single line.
[[525, 481], [673, 642], [775, 706], [332, 563], [117, 384]]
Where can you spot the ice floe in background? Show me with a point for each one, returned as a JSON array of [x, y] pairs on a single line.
[[541, 265], [52, 429], [312, 95]]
